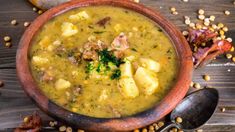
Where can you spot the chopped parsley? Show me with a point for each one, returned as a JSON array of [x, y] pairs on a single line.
[[89, 67], [107, 63], [106, 56], [116, 74]]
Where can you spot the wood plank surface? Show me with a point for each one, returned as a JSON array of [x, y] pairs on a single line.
[[14, 104]]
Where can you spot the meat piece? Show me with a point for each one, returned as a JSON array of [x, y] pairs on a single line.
[[205, 55], [119, 45], [73, 60], [32, 124], [200, 36], [91, 50], [103, 21]]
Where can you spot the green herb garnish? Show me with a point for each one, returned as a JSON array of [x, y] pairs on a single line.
[[106, 56], [98, 32], [89, 67], [116, 74]]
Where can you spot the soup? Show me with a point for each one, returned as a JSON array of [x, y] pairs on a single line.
[[103, 61]]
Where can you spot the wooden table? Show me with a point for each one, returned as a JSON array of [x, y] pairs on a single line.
[[14, 104]]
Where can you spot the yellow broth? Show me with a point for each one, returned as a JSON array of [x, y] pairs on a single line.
[[100, 97]]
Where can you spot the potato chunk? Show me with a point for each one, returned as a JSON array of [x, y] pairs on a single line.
[[68, 29], [128, 87], [146, 80], [61, 84], [79, 16], [126, 69], [44, 42], [37, 60], [150, 64]]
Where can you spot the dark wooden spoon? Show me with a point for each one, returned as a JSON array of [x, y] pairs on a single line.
[[195, 110]]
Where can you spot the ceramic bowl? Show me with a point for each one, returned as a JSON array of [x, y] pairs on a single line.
[[165, 106]]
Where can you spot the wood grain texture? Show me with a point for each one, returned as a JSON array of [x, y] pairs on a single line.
[[14, 103]]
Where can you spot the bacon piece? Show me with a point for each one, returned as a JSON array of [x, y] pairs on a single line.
[[103, 21], [33, 124]]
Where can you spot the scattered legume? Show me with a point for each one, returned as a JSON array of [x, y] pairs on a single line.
[[206, 77], [173, 9], [51, 123], [226, 12], [179, 120], [62, 128], [13, 22], [230, 40], [8, 44], [223, 109], [197, 85], [79, 130], [151, 127], [144, 130], [212, 18], [69, 129], [35, 9], [160, 124], [1, 83], [175, 13], [225, 29], [40, 12], [7, 38], [233, 59], [26, 24], [201, 17], [136, 130], [229, 56], [137, 1], [220, 25], [201, 11], [185, 33], [26, 119], [199, 130]]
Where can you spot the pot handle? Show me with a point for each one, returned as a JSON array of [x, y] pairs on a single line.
[[167, 126]]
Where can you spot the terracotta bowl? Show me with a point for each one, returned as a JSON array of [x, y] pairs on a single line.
[[177, 92]]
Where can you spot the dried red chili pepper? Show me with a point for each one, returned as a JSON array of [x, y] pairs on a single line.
[[205, 55], [33, 124], [200, 36]]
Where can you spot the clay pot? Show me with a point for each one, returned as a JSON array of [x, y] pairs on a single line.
[[177, 92]]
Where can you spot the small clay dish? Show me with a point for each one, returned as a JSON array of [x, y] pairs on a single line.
[[165, 106]]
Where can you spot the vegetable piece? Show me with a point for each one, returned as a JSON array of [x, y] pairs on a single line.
[[37, 60], [45, 42], [62, 84], [128, 87], [150, 64], [117, 27], [68, 29], [79, 16], [126, 69], [146, 80]]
